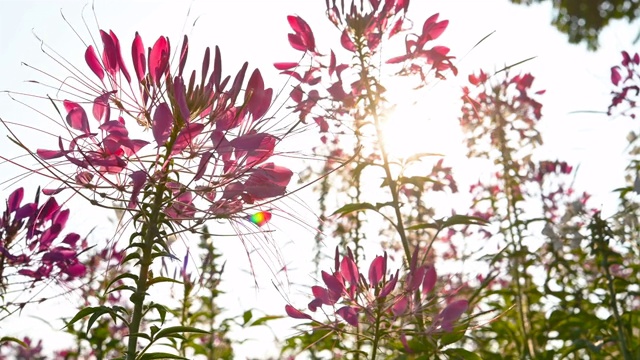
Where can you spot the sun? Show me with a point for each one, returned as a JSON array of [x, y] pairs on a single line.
[[422, 127]]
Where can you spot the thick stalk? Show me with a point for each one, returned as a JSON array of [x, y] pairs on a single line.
[[139, 296]]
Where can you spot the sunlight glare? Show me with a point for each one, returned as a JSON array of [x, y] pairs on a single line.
[[413, 129]]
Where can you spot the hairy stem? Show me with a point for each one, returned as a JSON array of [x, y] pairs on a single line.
[[150, 231]]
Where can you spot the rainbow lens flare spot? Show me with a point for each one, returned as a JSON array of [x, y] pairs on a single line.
[[260, 218]]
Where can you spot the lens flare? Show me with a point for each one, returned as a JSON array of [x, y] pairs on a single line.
[[260, 218]]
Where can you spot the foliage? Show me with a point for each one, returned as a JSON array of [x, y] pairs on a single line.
[[552, 276], [583, 20]]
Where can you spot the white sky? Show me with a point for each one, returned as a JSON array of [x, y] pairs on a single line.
[[256, 31]]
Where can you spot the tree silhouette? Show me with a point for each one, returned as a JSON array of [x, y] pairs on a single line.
[[583, 20]]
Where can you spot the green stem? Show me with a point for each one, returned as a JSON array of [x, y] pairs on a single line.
[[376, 334], [372, 110], [399, 224], [150, 230], [516, 237], [600, 227]]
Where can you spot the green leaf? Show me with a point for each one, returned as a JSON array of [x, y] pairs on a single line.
[[417, 181], [154, 330], [263, 320], [246, 317], [122, 276], [461, 354], [463, 219], [162, 310], [423, 226], [83, 313], [160, 279], [419, 156], [354, 207], [158, 355], [97, 314], [131, 256], [173, 330], [453, 336], [5, 339]]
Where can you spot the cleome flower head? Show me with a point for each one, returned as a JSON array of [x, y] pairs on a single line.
[[31, 241], [202, 136], [356, 299]]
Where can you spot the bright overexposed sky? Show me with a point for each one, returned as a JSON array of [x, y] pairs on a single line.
[[256, 31]]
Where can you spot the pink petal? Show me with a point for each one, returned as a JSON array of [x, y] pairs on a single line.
[[615, 75], [187, 136], [377, 269], [71, 239], [49, 154], [333, 284], [258, 98], [349, 314], [75, 270], [400, 306], [346, 42], [138, 57], [183, 58], [321, 294], [268, 181], [314, 304], [76, 116], [233, 190], [349, 270], [101, 107], [430, 278], [296, 42], [389, 286], [159, 59], [13, 203], [285, 65], [295, 313], [452, 313], [123, 68], [237, 82], [202, 166], [94, 63], [138, 179], [217, 69], [432, 29], [257, 147], [398, 59], [50, 192], [162, 123], [109, 53], [181, 98], [332, 63], [304, 40], [416, 276], [322, 123]]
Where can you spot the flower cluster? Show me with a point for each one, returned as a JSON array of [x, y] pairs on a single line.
[[209, 142], [354, 296], [500, 114], [31, 241], [626, 83], [362, 30]]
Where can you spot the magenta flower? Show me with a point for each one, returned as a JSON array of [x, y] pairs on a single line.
[[31, 243], [206, 124]]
